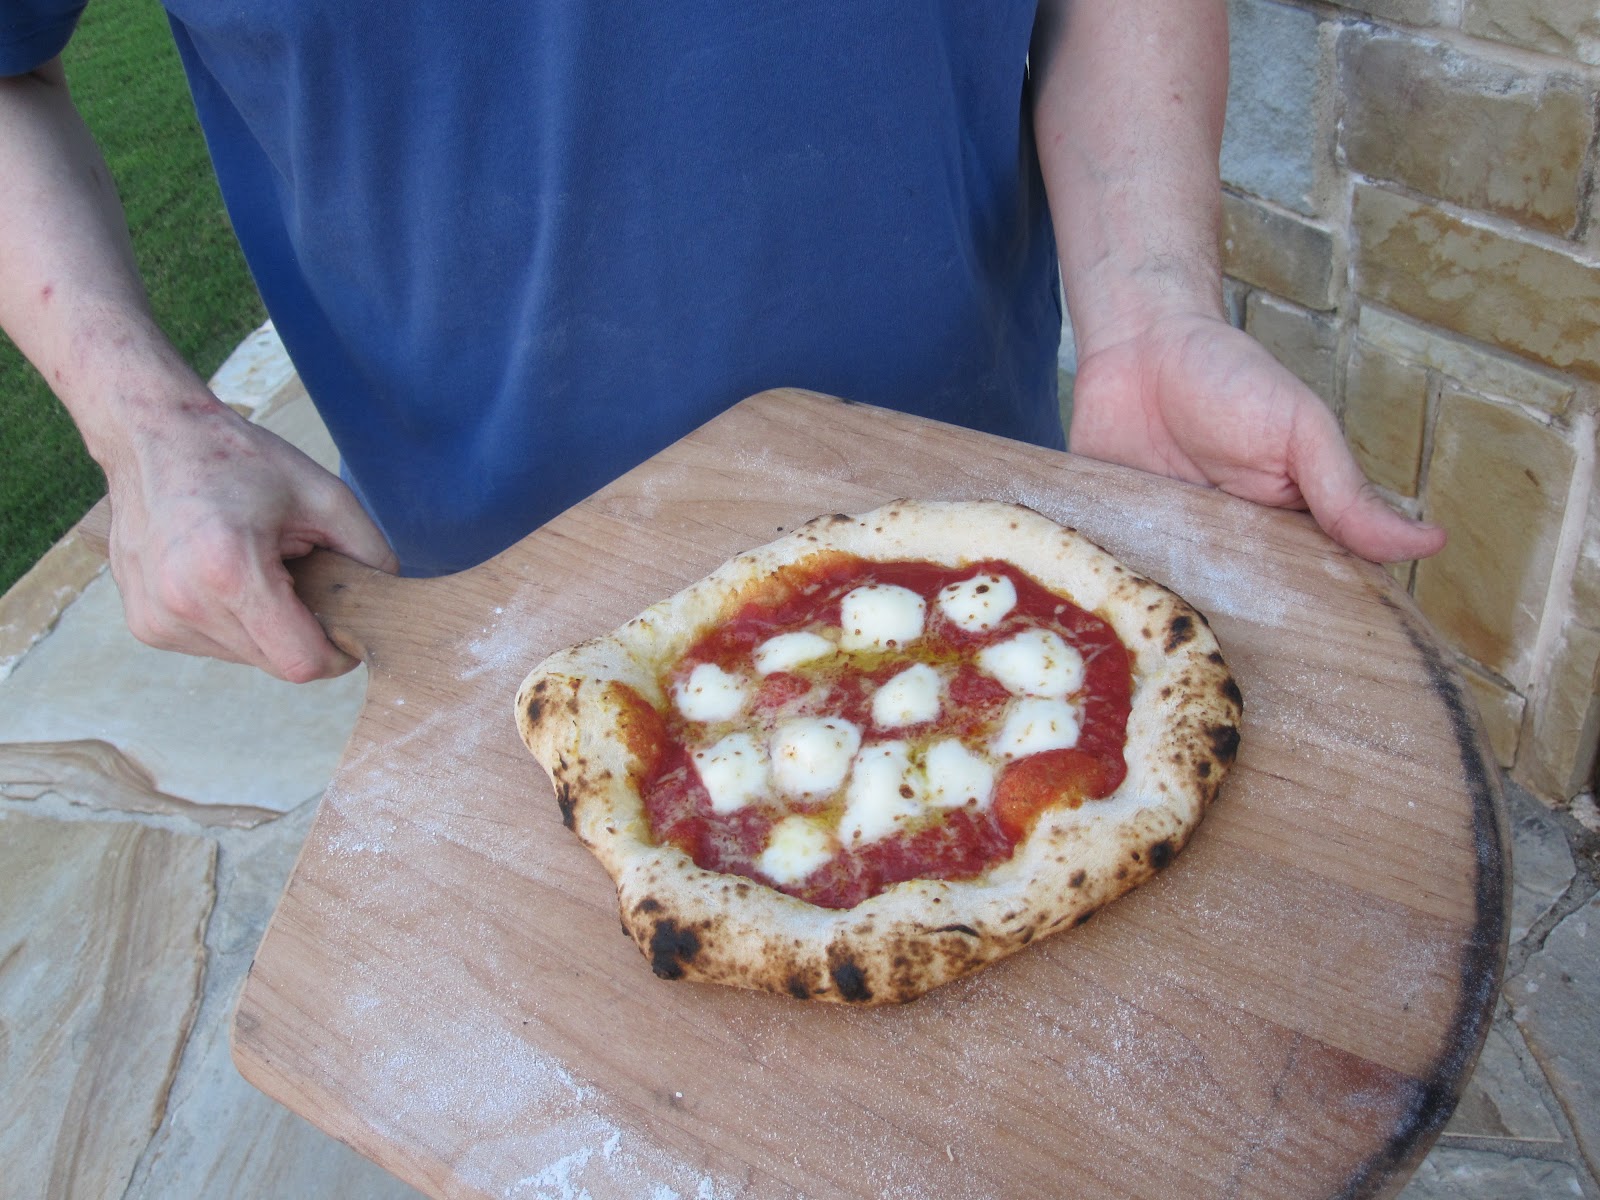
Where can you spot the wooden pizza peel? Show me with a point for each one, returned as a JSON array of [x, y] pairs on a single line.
[[1289, 1010]]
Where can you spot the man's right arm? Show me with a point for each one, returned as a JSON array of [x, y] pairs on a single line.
[[205, 506]]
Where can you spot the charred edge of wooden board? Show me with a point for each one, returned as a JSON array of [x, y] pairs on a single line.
[[1483, 961]]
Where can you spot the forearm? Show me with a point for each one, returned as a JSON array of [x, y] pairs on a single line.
[[70, 295], [1129, 97]]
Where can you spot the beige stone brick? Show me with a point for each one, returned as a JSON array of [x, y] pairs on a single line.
[[1410, 12], [1525, 297], [1284, 254], [1304, 342], [1501, 710], [1498, 481], [1483, 135], [1385, 413], [1485, 371], [1568, 28], [1558, 756]]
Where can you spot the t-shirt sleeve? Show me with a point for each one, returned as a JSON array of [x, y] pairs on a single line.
[[32, 32]]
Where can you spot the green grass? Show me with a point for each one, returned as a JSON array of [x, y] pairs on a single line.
[[127, 81]]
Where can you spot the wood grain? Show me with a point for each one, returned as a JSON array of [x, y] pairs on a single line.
[[1289, 1010]]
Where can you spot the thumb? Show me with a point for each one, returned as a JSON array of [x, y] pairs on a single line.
[[1348, 507], [348, 529]]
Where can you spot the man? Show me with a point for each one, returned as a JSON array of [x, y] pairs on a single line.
[[515, 249]]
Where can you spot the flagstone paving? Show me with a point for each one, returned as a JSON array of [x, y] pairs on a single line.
[[151, 808]]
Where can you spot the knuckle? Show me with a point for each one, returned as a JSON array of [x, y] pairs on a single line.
[[220, 570], [176, 595]]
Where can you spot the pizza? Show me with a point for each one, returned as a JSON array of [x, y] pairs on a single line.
[[885, 750]]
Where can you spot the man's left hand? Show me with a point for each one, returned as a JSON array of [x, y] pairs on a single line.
[[1191, 397]]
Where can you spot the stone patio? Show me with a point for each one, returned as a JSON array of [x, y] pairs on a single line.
[[152, 807]]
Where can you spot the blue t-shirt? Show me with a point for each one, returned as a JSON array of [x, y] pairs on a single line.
[[515, 249]]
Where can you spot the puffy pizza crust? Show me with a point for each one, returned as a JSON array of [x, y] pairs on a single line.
[[703, 925]]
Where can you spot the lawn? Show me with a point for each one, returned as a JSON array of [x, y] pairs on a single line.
[[125, 75]]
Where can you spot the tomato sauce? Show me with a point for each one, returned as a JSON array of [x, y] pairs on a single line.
[[947, 844]]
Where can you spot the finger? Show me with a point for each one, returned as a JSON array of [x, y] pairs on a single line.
[[1348, 507], [287, 640], [239, 611], [180, 624]]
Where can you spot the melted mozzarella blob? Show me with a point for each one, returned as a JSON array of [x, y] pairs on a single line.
[[796, 847], [908, 699], [734, 772], [1035, 724], [710, 694], [881, 616], [790, 650], [1036, 662], [958, 776], [811, 755], [979, 604], [881, 795]]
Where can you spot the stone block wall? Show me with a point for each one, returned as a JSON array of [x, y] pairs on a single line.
[[1412, 224]]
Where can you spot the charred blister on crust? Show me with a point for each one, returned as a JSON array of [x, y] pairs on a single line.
[[567, 803], [1224, 741], [1179, 631], [850, 981], [672, 948], [1162, 853]]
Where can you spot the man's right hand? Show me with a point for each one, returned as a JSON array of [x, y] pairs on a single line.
[[202, 519], [204, 506]]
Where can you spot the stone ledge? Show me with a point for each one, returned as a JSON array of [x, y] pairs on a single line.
[[32, 606]]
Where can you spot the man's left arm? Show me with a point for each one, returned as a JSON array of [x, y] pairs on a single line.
[[1129, 97]]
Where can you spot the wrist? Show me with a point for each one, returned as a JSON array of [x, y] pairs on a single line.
[[1113, 305], [127, 388]]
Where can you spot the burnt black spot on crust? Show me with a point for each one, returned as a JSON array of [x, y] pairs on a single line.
[[966, 929], [851, 982], [1224, 742], [1161, 854], [1077, 878], [671, 946], [1231, 693], [565, 803], [797, 988], [535, 707], [1179, 631], [648, 905], [1082, 917], [1204, 769]]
